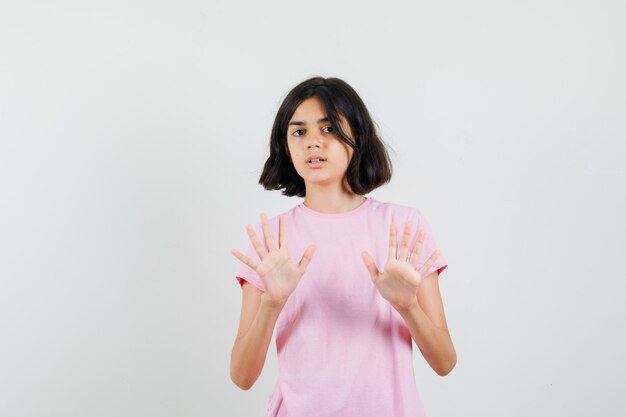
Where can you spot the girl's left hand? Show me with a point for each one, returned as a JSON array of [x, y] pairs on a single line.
[[399, 282]]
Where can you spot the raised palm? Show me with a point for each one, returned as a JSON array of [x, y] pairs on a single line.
[[399, 282], [279, 274]]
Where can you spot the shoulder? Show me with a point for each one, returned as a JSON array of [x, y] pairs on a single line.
[[396, 211]]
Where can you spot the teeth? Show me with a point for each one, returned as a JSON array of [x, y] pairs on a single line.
[[315, 160]]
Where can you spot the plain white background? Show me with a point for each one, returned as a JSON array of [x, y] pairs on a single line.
[[133, 135]]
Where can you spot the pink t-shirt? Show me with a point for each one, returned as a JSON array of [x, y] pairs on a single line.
[[343, 350]]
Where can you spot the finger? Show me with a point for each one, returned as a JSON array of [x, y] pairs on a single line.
[[417, 249], [282, 232], [392, 241], [424, 269], [306, 258], [405, 241], [258, 246], [246, 260], [269, 239], [370, 265]]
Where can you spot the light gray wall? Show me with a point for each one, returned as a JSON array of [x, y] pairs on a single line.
[[132, 138]]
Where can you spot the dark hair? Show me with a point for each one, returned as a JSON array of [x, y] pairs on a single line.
[[370, 166]]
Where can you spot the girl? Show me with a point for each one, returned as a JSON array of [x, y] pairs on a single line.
[[346, 294]]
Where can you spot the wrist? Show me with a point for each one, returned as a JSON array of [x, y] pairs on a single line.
[[407, 308], [273, 304]]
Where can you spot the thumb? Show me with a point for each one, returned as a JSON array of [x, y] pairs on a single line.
[[370, 265], [306, 258]]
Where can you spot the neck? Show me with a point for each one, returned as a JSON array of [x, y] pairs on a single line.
[[331, 201]]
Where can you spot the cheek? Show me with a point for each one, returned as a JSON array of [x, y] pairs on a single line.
[[349, 152], [288, 152]]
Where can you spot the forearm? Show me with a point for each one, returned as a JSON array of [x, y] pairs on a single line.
[[434, 343], [250, 350]]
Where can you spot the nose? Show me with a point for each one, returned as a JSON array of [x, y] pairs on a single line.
[[316, 140]]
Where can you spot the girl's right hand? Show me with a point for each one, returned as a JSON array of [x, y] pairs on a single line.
[[279, 274]]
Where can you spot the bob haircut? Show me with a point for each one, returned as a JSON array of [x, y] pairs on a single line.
[[370, 166]]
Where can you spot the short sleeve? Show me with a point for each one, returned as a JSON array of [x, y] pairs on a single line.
[[430, 245], [244, 272]]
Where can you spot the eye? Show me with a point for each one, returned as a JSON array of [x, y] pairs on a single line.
[[296, 131], [329, 127]]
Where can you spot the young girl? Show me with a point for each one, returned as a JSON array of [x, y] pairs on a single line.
[[347, 280]]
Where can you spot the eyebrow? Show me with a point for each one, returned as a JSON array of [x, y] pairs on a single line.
[[301, 123]]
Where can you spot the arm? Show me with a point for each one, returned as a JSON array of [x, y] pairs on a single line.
[[260, 309], [256, 326], [427, 323]]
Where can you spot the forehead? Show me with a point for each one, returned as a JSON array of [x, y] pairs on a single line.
[[311, 111], [312, 107]]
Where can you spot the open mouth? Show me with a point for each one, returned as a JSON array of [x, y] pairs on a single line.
[[316, 162]]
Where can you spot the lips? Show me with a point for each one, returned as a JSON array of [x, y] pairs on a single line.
[[312, 157]]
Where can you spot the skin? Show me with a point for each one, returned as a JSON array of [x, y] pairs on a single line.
[[416, 298], [327, 189]]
